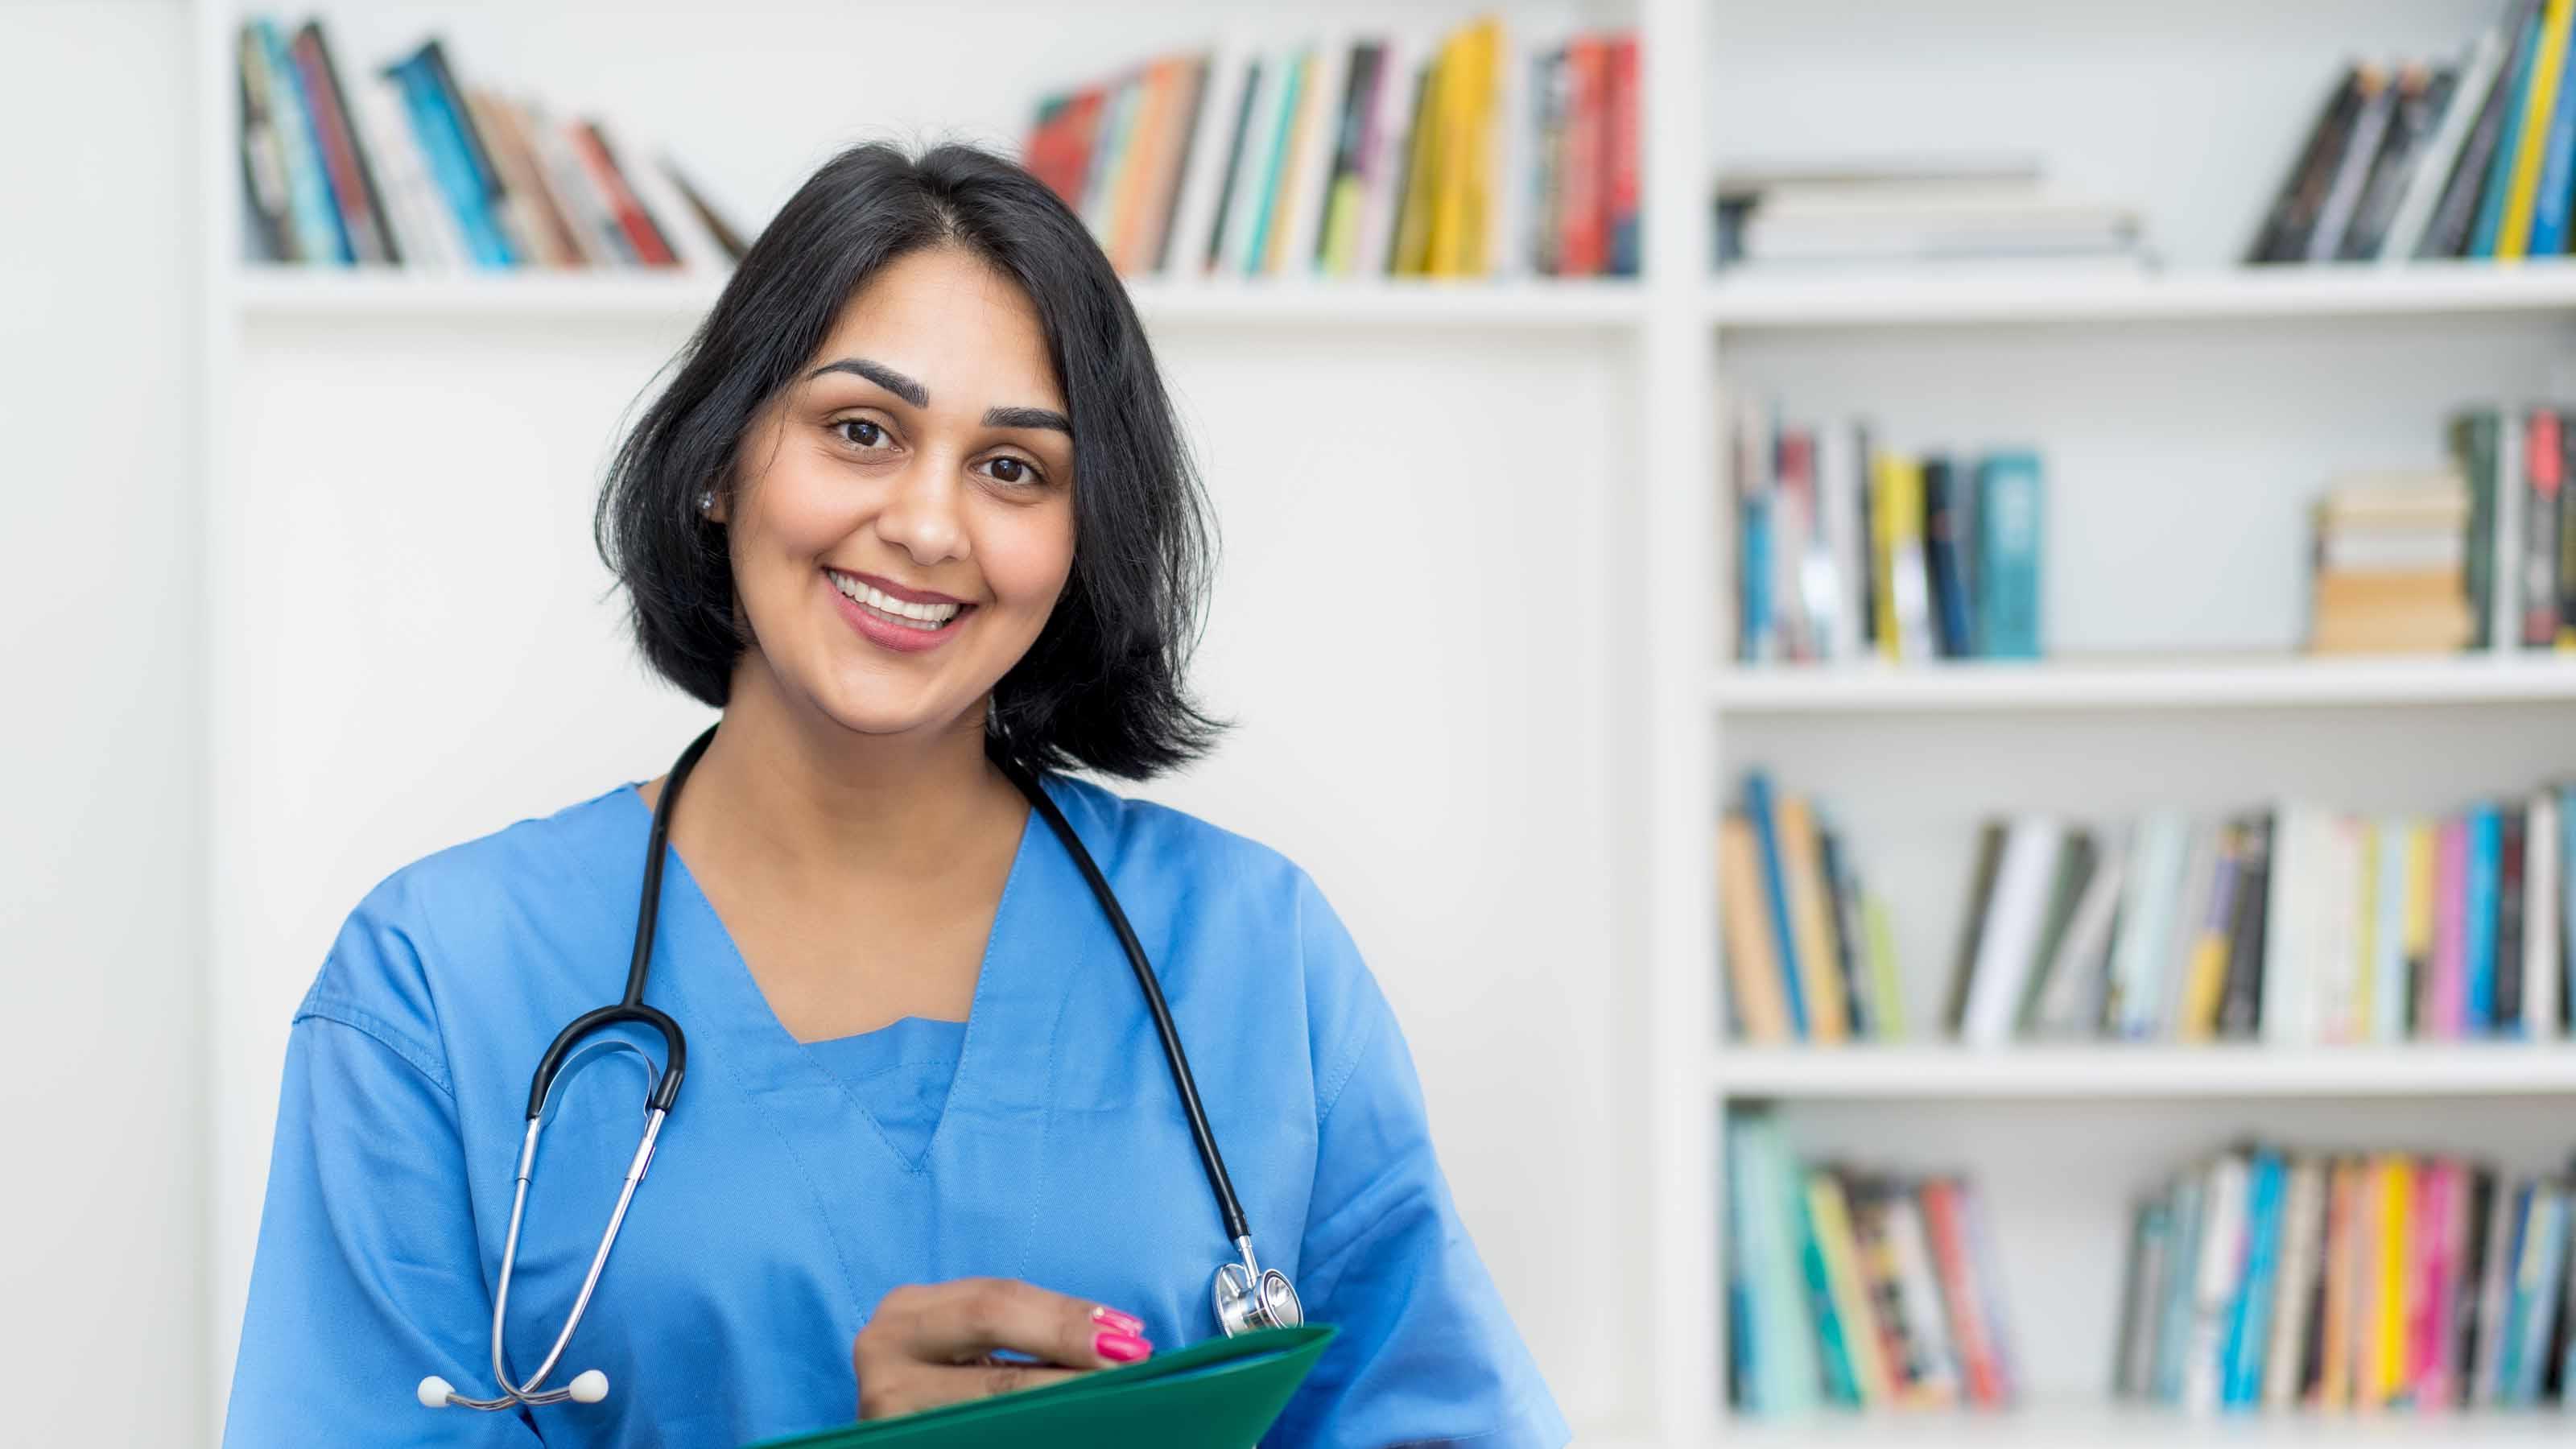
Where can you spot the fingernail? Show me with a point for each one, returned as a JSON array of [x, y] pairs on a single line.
[[1121, 1347], [1117, 1322]]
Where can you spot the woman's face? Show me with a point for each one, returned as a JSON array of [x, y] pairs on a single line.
[[902, 520]]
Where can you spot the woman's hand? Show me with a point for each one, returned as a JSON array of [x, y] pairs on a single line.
[[929, 1343]]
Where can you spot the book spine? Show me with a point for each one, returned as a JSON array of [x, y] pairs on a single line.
[[353, 191], [1621, 162], [2494, 200], [2446, 1011], [2478, 911], [443, 146], [2531, 138], [2512, 846], [1759, 806], [320, 236]]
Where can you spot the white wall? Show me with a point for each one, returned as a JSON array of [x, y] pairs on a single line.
[[101, 952]]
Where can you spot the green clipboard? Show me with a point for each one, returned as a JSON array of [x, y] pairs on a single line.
[[1221, 1394]]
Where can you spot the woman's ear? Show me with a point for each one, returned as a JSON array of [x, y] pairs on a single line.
[[711, 505]]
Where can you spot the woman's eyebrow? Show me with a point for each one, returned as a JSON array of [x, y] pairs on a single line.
[[1028, 418], [880, 374]]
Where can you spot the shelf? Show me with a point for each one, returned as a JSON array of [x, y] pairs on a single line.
[[2222, 683], [375, 294], [2122, 1425], [1773, 301], [2114, 1070]]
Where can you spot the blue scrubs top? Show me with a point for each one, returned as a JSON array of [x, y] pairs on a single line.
[[796, 1184]]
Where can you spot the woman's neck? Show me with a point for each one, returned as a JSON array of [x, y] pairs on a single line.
[[790, 792]]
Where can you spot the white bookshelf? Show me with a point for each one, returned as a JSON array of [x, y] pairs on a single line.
[[1585, 415]]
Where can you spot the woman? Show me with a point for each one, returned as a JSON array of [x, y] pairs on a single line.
[[913, 505]]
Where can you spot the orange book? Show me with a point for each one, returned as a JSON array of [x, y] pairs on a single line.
[[1811, 916], [1752, 961]]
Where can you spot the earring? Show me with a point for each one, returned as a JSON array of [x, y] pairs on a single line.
[[707, 501]]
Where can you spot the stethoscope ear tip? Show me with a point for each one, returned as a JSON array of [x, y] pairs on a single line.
[[588, 1387], [435, 1392]]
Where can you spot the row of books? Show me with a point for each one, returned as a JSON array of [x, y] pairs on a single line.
[[404, 165], [1373, 156], [1924, 210], [1863, 1291], [2292, 925], [2474, 157], [1846, 549], [2520, 569], [1810, 954], [2267, 1279]]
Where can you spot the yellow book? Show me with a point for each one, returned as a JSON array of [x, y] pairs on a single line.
[[1342, 226], [2531, 137], [1811, 917], [1830, 1213], [2395, 1185], [1466, 144], [1883, 468], [1412, 249], [2205, 979]]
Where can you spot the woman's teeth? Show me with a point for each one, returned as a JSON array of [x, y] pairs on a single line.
[[928, 618]]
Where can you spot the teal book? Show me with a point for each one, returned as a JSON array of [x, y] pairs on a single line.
[[2173, 1335], [2249, 1331], [1842, 1385], [1272, 207], [1786, 1376], [2007, 556], [318, 232], [450, 158], [2491, 204], [2478, 906]]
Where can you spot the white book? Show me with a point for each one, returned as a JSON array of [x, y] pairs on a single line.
[[594, 221], [1509, 205], [2147, 919], [2016, 911], [2540, 926], [2286, 932], [2214, 1280], [1307, 171], [423, 226], [2433, 168], [2388, 997], [2336, 961], [697, 249], [1920, 1288], [2296, 1270], [2504, 613], [2071, 1003], [1839, 494], [2360, 155], [1911, 582], [1202, 183]]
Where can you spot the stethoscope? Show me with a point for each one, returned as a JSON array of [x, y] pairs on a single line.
[[1248, 1296]]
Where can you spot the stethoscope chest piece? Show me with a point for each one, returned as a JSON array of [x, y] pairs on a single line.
[[1242, 1307]]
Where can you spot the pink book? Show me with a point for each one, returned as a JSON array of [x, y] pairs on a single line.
[[2450, 978], [2429, 1307]]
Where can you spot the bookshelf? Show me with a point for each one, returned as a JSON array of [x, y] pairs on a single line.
[[2199, 391]]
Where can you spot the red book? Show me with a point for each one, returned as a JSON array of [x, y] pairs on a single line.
[[351, 193], [632, 218], [2427, 1314], [1582, 247], [1059, 150], [2540, 581], [1619, 160], [1943, 1219]]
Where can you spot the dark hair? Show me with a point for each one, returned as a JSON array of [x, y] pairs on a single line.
[[1101, 687]]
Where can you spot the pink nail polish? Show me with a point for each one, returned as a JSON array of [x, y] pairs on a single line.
[[1121, 1347], [1117, 1322]]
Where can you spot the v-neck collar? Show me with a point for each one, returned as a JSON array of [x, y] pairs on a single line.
[[745, 1021]]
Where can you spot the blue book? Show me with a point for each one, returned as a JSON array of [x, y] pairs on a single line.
[[2500, 170], [2508, 1355], [319, 234], [1946, 557], [1257, 244], [2007, 555], [1754, 579], [2567, 902], [2540, 1294], [2549, 208], [1775, 876], [2182, 1275], [2249, 1329], [2478, 904], [450, 158], [1761, 1175], [1832, 1334]]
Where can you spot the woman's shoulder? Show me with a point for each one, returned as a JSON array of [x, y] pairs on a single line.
[[402, 946], [1127, 833]]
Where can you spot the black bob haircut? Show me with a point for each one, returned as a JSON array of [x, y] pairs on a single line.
[[1101, 687]]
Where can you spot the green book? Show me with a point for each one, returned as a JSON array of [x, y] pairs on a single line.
[[1221, 1394]]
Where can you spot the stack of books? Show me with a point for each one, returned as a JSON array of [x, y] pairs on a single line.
[[1809, 953], [1367, 156], [1942, 212], [1846, 550], [2291, 925], [2520, 572], [2468, 157], [2265, 1279], [2391, 566], [1863, 1291], [409, 167]]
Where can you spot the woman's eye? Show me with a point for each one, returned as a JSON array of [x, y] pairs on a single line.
[[859, 432], [1012, 470]]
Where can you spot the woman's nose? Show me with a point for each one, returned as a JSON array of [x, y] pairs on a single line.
[[923, 516]]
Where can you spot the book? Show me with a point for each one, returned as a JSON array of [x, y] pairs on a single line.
[[2531, 132], [1756, 993]]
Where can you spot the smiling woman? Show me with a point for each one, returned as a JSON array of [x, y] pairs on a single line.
[[914, 514]]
